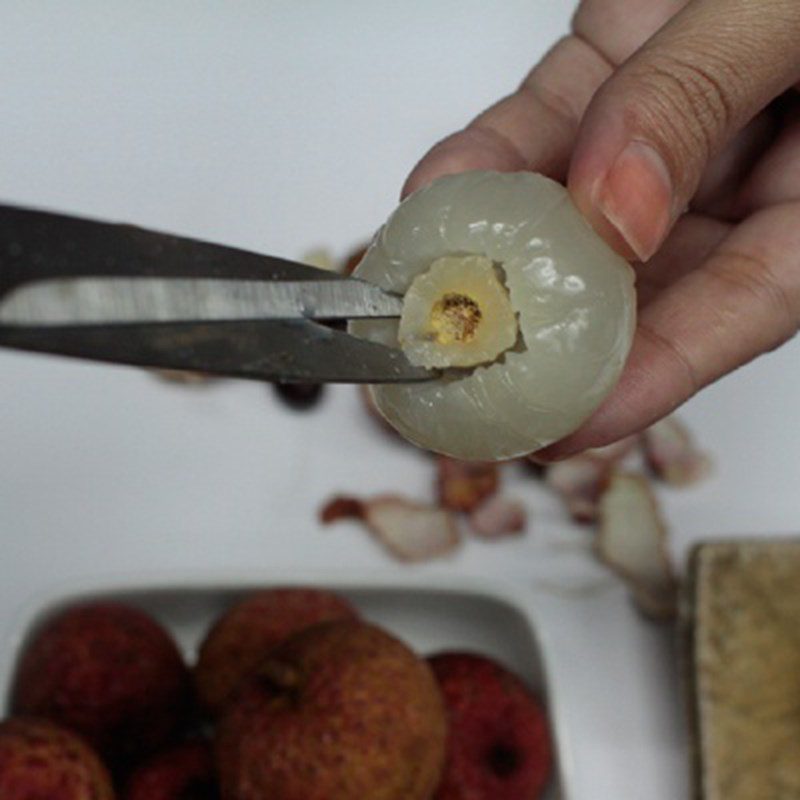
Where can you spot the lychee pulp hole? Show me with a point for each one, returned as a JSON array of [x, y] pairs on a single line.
[[455, 318], [503, 760], [458, 313]]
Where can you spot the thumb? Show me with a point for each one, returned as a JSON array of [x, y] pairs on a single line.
[[650, 131]]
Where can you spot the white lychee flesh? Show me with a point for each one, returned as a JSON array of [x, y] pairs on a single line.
[[537, 378]]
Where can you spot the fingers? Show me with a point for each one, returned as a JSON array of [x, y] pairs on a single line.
[[690, 242], [720, 185], [776, 178], [533, 128], [618, 28], [742, 301], [650, 132]]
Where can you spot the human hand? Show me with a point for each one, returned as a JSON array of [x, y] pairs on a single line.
[[676, 125]]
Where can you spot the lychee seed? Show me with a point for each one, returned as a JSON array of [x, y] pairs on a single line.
[[455, 318]]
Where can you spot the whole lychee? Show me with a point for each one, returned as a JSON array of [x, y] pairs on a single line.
[[498, 742], [109, 672], [183, 772], [42, 761], [341, 711], [251, 628]]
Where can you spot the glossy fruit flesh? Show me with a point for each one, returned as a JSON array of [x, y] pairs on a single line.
[[573, 299]]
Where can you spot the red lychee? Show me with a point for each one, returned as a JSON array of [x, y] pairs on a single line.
[[341, 711], [246, 633], [498, 743], [42, 761], [109, 672], [183, 772]]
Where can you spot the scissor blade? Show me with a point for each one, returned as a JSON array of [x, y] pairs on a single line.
[[298, 350], [108, 301], [35, 245]]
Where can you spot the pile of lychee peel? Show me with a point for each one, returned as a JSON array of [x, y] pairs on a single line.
[[293, 695], [611, 490]]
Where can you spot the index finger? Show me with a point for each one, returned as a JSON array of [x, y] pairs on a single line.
[[533, 128]]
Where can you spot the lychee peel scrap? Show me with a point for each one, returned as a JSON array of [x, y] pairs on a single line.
[[632, 541], [579, 482], [672, 454], [409, 531], [498, 518], [465, 485]]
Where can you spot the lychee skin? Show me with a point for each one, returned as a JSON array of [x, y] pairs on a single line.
[[39, 759], [109, 672], [183, 772], [341, 711], [498, 743], [246, 633]]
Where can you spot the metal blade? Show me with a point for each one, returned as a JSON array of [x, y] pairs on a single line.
[[35, 245], [95, 301], [299, 350], [39, 248]]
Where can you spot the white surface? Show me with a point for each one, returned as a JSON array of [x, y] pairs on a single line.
[[278, 127]]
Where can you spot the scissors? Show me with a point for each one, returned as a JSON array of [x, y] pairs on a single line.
[[118, 293]]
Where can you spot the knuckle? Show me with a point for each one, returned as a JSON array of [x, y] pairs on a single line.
[[484, 146], [567, 77], [671, 351], [553, 100], [743, 272], [689, 99]]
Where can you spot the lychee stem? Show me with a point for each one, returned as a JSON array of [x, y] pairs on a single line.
[[279, 676]]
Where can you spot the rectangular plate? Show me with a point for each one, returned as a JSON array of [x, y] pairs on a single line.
[[490, 619]]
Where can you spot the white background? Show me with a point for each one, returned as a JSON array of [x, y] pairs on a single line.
[[278, 127]]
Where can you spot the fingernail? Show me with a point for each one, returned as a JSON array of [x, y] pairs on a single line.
[[636, 198]]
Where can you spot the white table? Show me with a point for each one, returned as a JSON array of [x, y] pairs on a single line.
[[278, 127]]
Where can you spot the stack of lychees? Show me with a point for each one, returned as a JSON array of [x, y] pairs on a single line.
[[293, 697]]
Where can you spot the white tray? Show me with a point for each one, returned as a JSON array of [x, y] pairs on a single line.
[[485, 617]]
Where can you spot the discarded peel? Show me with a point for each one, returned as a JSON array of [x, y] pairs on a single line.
[[353, 259], [498, 518], [539, 376], [464, 485], [410, 531], [632, 542], [581, 480], [672, 454], [321, 258]]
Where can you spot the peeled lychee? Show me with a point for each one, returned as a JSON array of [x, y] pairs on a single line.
[[508, 290], [42, 761], [109, 672], [498, 743], [183, 772], [246, 633], [341, 711]]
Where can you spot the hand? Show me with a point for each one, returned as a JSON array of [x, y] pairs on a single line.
[[676, 126]]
